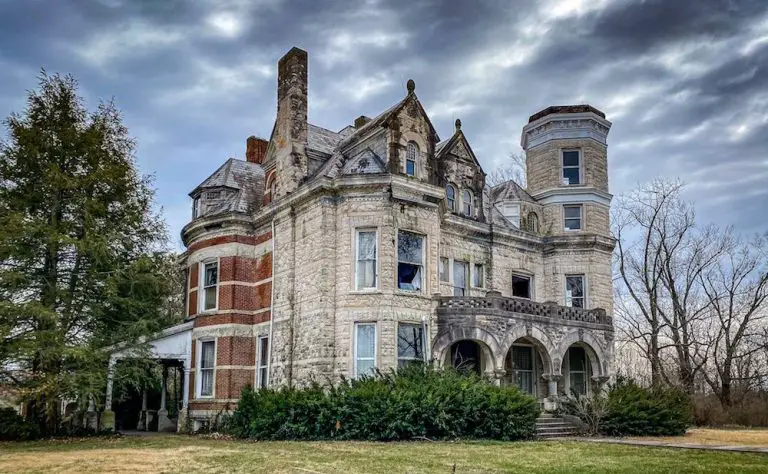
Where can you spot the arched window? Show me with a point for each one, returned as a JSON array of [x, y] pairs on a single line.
[[466, 198], [533, 222], [412, 151], [273, 189], [450, 196]]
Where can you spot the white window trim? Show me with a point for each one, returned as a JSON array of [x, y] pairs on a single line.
[[471, 203], [375, 345], [424, 279], [467, 276], [533, 371], [529, 276], [198, 367], [562, 166], [584, 285], [356, 245], [582, 221], [196, 206], [260, 363], [423, 326], [201, 287]]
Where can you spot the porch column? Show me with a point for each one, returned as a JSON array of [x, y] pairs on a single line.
[[163, 422], [181, 424], [550, 403], [163, 387], [108, 417]]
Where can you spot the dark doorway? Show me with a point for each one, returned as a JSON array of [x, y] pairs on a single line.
[[465, 356]]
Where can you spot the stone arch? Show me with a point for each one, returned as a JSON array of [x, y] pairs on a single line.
[[541, 340], [443, 342], [598, 359]]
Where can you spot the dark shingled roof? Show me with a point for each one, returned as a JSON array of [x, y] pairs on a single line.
[[243, 176], [565, 109], [321, 139], [511, 191]]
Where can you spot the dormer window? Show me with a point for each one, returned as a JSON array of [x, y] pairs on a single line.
[[196, 207], [466, 198], [571, 167], [450, 196], [410, 158], [213, 195]]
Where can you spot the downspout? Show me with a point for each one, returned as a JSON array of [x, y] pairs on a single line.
[[271, 309]]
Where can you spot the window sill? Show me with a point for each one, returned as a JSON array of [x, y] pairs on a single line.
[[416, 293], [372, 291]]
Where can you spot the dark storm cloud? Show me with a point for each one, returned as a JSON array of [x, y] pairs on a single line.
[[685, 82]]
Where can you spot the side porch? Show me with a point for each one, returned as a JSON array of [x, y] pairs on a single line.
[[545, 349]]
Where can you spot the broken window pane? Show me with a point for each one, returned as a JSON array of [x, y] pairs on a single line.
[[574, 291], [521, 286], [410, 260]]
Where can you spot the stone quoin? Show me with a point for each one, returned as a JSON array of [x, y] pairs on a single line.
[[326, 254]]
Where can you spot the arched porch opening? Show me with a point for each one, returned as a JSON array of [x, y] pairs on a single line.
[[469, 356], [579, 365], [525, 364]]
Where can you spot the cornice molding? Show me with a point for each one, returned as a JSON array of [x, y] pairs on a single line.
[[565, 126]]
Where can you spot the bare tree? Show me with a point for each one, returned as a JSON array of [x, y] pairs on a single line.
[[736, 287], [513, 170]]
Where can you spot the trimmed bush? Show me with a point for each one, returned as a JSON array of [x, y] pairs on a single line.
[[13, 427], [633, 410], [414, 402]]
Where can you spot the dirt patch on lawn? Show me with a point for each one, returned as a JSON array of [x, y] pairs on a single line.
[[711, 436]]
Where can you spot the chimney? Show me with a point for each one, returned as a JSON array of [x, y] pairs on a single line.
[[291, 125], [255, 149], [361, 120]]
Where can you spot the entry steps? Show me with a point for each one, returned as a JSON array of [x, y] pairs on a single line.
[[548, 427]]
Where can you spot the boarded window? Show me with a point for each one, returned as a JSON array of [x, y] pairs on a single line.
[[410, 261]]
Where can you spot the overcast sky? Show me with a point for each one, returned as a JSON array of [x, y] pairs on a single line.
[[685, 82]]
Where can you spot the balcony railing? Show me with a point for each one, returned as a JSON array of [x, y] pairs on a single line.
[[494, 302]]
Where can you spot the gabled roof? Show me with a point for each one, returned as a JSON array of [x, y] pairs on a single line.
[[321, 139], [458, 139], [509, 191], [364, 162]]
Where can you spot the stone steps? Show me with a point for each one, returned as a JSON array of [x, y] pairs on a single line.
[[548, 426]]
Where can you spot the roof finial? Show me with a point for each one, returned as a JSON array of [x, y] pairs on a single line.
[[410, 85], [458, 124]]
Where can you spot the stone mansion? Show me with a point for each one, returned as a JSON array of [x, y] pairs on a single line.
[[328, 254]]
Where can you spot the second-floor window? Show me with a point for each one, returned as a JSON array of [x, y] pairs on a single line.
[[209, 283], [478, 277], [410, 260], [521, 286], [574, 291], [412, 151], [572, 217], [366, 259], [571, 167], [466, 202], [460, 271]]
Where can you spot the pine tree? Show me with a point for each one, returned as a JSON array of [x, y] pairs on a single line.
[[83, 257]]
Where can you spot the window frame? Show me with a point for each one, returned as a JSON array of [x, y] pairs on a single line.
[[262, 362], [199, 367], [464, 193], [580, 207], [411, 145], [355, 357], [515, 220], [444, 263], [578, 167], [526, 276], [422, 273], [583, 298], [196, 206], [451, 202], [584, 372], [532, 371], [478, 283], [423, 329], [201, 286], [358, 231], [467, 277]]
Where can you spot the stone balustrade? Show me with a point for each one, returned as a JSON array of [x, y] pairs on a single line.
[[494, 302]]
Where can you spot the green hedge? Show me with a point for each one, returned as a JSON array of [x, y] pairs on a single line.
[[632, 410], [14, 427], [414, 402]]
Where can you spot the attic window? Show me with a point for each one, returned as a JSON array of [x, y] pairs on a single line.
[[410, 159], [450, 196], [196, 207], [213, 195], [466, 198]]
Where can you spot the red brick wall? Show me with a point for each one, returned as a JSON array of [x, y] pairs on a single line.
[[228, 239]]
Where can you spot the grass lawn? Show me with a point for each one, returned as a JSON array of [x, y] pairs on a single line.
[[193, 454], [719, 436]]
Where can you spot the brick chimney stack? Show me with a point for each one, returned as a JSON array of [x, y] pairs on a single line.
[[291, 127], [255, 149]]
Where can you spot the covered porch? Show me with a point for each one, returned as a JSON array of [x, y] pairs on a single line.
[[172, 349]]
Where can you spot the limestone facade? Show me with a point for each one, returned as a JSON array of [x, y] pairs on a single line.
[[326, 254]]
